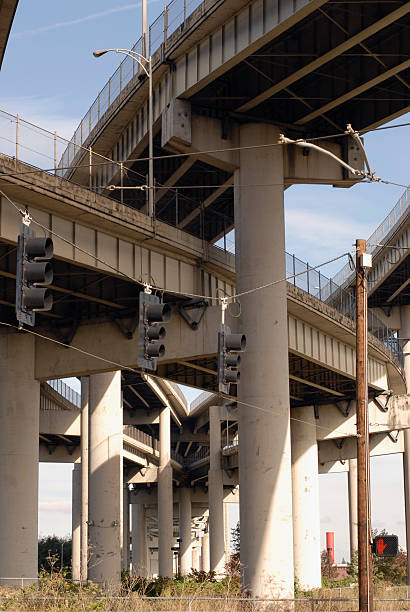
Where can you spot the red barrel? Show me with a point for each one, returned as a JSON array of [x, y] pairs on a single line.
[[330, 546]]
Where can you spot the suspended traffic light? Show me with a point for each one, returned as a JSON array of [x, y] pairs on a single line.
[[150, 332], [229, 345], [33, 271]]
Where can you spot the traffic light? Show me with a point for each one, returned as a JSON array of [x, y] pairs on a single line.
[[386, 546], [33, 271], [229, 345], [150, 332]]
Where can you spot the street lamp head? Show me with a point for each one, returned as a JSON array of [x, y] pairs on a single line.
[[100, 52]]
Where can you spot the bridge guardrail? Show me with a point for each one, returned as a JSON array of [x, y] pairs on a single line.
[[398, 211], [171, 18], [66, 391]]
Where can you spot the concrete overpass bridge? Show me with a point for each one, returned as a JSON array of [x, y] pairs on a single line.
[[227, 82]]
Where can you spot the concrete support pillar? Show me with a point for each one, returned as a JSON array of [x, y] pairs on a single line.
[[19, 434], [405, 333], [105, 478], [76, 523], [84, 479], [195, 558], [227, 532], [139, 541], [352, 489], [185, 531], [126, 530], [205, 552], [165, 501], [264, 434], [216, 494], [305, 498]]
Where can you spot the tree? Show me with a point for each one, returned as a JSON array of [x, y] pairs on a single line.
[[236, 539], [49, 553]]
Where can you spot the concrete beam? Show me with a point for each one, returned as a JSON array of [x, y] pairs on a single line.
[[384, 76], [326, 57], [380, 444], [65, 422]]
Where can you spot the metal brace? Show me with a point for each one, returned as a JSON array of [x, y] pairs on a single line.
[[394, 438], [380, 405], [128, 331], [316, 411], [346, 409], [199, 305], [339, 442]]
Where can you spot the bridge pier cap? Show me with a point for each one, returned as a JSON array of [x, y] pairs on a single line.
[[265, 457]]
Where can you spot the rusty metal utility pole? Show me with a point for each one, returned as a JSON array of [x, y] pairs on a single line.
[[363, 451]]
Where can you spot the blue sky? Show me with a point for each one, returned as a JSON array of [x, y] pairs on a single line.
[[50, 78]]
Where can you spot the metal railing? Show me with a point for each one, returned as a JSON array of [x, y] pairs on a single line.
[[66, 391], [193, 603], [325, 289], [172, 17], [385, 227], [141, 436]]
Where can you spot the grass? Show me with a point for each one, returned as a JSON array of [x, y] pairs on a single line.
[[198, 592]]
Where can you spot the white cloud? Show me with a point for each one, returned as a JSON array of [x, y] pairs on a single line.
[[330, 230], [64, 24]]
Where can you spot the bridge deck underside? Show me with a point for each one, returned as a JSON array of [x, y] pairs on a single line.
[[345, 63], [394, 290], [83, 296]]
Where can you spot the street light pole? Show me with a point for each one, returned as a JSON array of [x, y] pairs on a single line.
[[146, 65], [150, 145]]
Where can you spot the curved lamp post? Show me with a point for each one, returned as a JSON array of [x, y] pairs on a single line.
[[146, 65]]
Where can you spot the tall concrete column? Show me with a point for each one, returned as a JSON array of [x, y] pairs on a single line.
[[195, 558], [352, 489], [105, 478], [19, 435], [185, 531], [405, 333], [216, 494], [227, 533], [305, 498], [165, 501], [139, 541], [84, 479], [205, 552], [76, 523], [264, 432], [126, 530]]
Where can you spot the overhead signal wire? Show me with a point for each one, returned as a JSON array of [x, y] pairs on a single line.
[[121, 366], [156, 287]]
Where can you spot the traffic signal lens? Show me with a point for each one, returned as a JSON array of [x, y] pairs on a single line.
[[233, 361], [38, 273], [235, 342], [232, 376], [158, 313], [156, 332], [155, 349], [39, 248], [37, 298]]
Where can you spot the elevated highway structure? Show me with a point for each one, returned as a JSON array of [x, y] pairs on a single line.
[[228, 80]]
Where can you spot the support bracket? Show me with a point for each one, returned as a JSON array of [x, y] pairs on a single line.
[[66, 336], [344, 407], [339, 442], [394, 436], [384, 407], [199, 306], [127, 330]]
